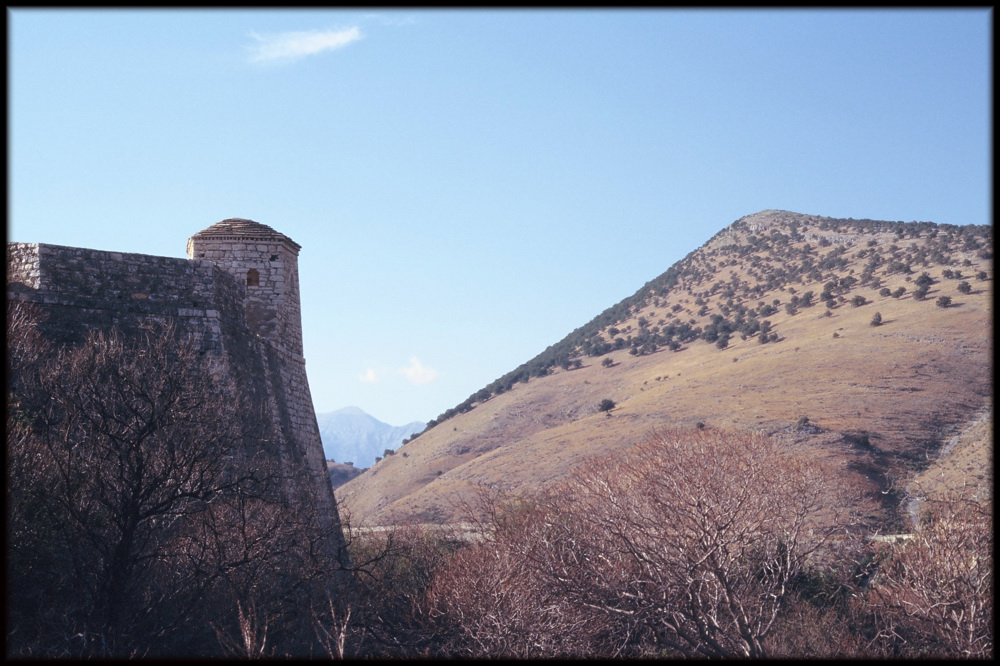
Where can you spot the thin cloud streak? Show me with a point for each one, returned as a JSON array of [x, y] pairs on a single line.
[[369, 377], [288, 46]]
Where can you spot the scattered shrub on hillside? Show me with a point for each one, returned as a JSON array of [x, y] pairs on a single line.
[[859, 300], [876, 319], [944, 301], [981, 276], [898, 293], [964, 288], [920, 293], [925, 280], [861, 439], [607, 362], [606, 405], [884, 292]]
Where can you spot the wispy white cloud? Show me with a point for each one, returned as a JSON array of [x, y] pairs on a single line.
[[288, 46], [418, 374], [369, 376]]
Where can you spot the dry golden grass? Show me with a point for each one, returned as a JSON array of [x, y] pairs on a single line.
[[966, 461], [907, 383]]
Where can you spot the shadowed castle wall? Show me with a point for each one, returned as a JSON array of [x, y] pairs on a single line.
[[82, 289]]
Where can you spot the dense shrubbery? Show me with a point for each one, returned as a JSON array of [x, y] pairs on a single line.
[[700, 543], [933, 595], [143, 516]]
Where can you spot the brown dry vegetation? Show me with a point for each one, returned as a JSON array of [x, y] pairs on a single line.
[[724, 507], [965, 461], [880, 400], [695, 543], [144, 514]]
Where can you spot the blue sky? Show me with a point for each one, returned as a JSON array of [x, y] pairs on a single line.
[[470, 186]]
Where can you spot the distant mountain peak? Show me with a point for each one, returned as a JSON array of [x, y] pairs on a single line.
[[352, 411], [350, 434]]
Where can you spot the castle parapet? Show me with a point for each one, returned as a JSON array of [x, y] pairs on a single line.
[[237, 296]]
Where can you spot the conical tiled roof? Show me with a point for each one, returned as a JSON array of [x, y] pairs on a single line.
[[238, 227]]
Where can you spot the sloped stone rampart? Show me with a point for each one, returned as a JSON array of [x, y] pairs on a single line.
[[83, 289]]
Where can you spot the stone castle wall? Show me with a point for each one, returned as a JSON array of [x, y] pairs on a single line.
[[82, 289]]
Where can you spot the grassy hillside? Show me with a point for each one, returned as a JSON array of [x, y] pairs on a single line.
[[768, 326]]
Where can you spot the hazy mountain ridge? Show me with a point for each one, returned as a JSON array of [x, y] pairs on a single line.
[[352, 435], [770, 322]]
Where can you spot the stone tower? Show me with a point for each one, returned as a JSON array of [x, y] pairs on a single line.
[[236, 297], [266, 261]]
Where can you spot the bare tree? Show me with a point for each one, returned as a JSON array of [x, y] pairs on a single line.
[[492, 600], [144, 503], [691, 541], [933, 593], [392, 568]]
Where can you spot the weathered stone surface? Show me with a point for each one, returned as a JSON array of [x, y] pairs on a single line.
[[207, 298]]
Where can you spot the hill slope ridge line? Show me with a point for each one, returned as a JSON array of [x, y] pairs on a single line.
[[770, 325]]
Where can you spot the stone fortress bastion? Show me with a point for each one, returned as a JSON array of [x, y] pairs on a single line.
[[236, 296]]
